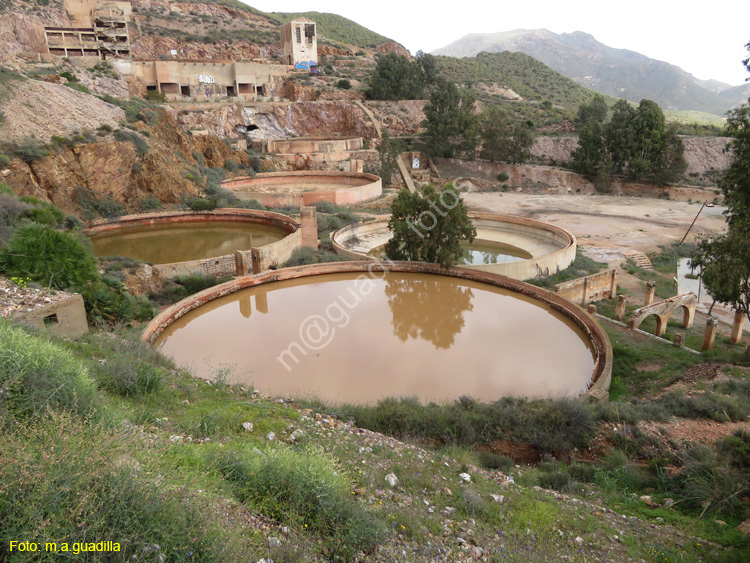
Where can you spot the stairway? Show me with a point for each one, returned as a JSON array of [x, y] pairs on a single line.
[[640, 259]]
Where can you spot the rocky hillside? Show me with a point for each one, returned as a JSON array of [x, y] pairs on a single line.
[[615, 72], [120, 153]]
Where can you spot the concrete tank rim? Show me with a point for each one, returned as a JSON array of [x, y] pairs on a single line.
[[303, 173], [285, 222], [474, 216], [598, 387]]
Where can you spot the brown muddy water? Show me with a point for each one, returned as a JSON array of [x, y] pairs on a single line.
[[168, 243], [478, 252], [348, 338]]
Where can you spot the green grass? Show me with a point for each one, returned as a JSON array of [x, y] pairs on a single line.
[[582, 266]]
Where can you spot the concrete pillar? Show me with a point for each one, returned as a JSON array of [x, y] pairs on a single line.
[[650, 289], [739, 323], [591, 309], [257, 267], [622, 301], [661, 324], [309, 220], [585, 291], [240, 263], [613, 285], [679, 339], [710, 334], [356, 165]]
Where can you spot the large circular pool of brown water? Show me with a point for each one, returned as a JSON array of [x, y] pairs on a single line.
[[350, 338], [167, 243]]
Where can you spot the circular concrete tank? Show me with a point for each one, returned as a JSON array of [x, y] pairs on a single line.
[[516, 247], [361, 331], [190, 242], [279, 189]]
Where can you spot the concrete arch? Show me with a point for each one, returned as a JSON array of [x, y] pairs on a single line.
[[663, 311]]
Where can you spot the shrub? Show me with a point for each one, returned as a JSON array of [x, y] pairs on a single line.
[[305, 255], [149, 203], [4, 161], [502, 177], [344, 84], [325, 207], [36, 374], [305, 489], [156, 97], [29, 149], [250, 204], [107, 302], [140, 144], [53, 258], [128, 375], [78, 86], [200, 204], [69, 76], [182, 286], [103, 205], [43, 213]]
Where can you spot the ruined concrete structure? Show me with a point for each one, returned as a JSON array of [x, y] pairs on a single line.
[[663, 310], [207, 79], [99, 28], [595, 287], [65, 318], [299, 42]]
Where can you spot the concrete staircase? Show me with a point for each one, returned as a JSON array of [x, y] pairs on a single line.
[[640, 259], [405, 174]]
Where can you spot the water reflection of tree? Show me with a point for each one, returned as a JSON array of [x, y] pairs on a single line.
[[429, 309]]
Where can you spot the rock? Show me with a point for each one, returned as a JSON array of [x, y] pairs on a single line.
[[446, 491], [296, 435], [460, 540], [175, 438], [720, 522], [668, 503], [465, 477], [449, 510], [247, 426], [498, 498], [273, 542], [477, 551], [579, 540], [256, 451], [270, 436], [647, 500], [744, 527], [391, 479]]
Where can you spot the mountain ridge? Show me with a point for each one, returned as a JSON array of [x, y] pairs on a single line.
[[613, 71]]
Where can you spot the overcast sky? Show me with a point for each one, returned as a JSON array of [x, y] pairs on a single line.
[[706, 39]]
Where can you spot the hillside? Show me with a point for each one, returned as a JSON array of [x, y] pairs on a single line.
[[530, 88], [615, 72]]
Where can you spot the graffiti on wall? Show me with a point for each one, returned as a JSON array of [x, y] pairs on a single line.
[[205, 79]]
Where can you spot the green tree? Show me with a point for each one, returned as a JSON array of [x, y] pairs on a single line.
[[428, 64], [591, 151], [396, 78], [389, 149], [451, 128], [429, 227], [502, 141], [725, 260], [593, 112], [618, 135]]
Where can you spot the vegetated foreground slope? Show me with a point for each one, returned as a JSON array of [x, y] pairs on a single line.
[[616, 72]]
